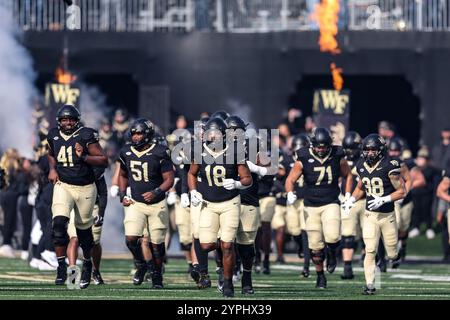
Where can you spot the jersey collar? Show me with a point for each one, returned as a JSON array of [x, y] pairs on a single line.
[[213, 153], [371, 169], [141, 153], [67, 137], [322, 161]]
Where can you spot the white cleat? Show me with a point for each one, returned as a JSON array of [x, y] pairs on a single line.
[[44, 266], [24, 255], [7, 251], [430, 234], [413, 233], [34, 263], [50, 258]]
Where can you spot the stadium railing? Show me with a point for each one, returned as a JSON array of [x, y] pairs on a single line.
[[223, 15]]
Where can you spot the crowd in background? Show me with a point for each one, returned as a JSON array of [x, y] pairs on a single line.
[[22, 180]]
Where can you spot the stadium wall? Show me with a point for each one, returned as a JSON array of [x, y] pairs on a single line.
[[255, 73]]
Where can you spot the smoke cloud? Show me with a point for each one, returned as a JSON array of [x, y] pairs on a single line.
[[16, 87]]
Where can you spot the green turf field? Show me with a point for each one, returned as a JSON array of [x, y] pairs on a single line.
[[416, 281]]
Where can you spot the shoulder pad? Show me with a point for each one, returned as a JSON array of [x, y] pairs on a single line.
[[88, 133], [395, 162]]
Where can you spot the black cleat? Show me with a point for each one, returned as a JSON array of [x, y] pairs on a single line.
[[149, 273], [348, 273], [369, 290], [331, 261], [228, 289], [61, 275], [157, 280], [395, 263], [141, 270], [204, 281], [247, 290], [96, 275], [321, 281], [266, 267], [305, 273], [382, 265], [86, 273], [195, 274], [280, 260], [220, 279]]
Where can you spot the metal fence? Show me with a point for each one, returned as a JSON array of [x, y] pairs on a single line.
[[223, 15]]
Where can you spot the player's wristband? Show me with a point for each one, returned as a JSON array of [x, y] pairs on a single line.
[[157, 192]]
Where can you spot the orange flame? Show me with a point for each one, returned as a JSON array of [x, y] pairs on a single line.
[[327, 15], [63, 76], [338, 81]]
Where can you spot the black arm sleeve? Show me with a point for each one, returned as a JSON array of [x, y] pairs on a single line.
[[184, 179], [102, 194]]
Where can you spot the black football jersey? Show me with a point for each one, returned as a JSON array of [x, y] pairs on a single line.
[[249, 196], [376, 180], [211, 175], [299, 185], [409, 163], [145, 169], [321, 176], [446, 172], [279, 189], [352, 165], [72, 169]]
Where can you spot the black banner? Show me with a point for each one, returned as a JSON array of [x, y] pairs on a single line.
[[57, 95], [331, 109]]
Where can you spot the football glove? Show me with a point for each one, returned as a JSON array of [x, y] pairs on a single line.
[[196, 198], [377, 202], [184, 200], [291, 197], [114, 191], [171, 198]]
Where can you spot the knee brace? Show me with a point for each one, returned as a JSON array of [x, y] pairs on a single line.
[[60, 237], [135, 248], [317, 256], [158, 251], [86, 239], [185, 247], [348, 242], [246, 251], [333, 246]]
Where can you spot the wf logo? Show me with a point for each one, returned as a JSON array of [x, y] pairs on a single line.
[[73, 21]]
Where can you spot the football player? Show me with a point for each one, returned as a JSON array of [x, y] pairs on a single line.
[[443, 193], [216, 178], [350, 223], [145, 167], [99, 214], [199, 257], [267, 204], [321, 165], [295, 217], [380, 180], [413, 178], [249, 219], [73, 152], [180, 193], [278, 222]]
